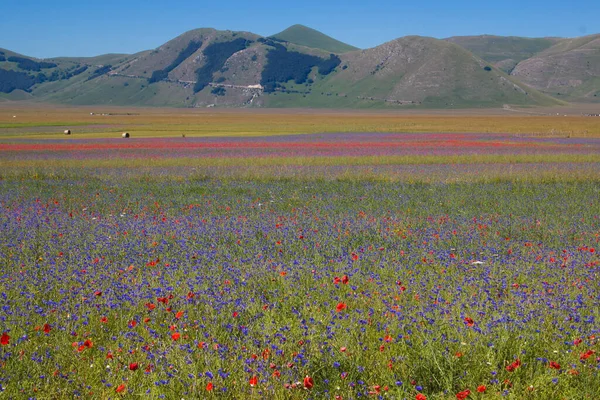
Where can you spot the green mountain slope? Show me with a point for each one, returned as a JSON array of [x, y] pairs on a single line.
[[28, 78], [308, 37], [413, 71], [505, 52], [211, 68], [103, 59], [569, 70]]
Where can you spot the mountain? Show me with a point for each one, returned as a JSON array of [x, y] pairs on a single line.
[[569, 70], [28, 78], [305, 36], [420, 71], [504, 52], [301, 67]]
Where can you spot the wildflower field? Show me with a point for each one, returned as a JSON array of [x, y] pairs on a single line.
[[319, 266]]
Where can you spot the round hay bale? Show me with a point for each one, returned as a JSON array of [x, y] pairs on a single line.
[[67, 131], [125, 135]]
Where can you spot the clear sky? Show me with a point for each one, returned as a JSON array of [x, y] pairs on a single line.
[[92, 27]]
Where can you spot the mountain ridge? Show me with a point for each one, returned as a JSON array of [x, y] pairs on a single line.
[[301, 67]]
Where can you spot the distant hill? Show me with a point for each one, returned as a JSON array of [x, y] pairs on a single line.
[[505, 52], [414, 71], [569, 70], [301, 67], [305, 36]]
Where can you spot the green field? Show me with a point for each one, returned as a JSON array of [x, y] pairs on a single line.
[[131, 269]]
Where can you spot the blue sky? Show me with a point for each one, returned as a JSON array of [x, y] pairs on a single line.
[[92, 27]]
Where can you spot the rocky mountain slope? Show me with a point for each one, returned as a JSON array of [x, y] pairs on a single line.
[[569, 70]]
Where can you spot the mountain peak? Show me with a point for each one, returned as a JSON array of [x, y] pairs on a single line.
[[308, 37]]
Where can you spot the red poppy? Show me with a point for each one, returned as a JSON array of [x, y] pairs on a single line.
[[463, 395], [88, 343], [132, 324], [341, 306], [235, 314], [345, 279], [176, 336], [104, 320], [577, 341], [481, 389], [209, 386], [253, 381], [469, 322], [554, 365], [150, 306], [308, 382], [179, 315], [4, 339], [98, 293], [276, 374], [120, 388], [586, 355], [336, 280], [47, 328], [514, 365], [133, 366], [420, 396], [201, 345], [109, 356]]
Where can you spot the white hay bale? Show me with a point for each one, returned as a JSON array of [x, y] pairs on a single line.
[[67, 131], [125, 135]]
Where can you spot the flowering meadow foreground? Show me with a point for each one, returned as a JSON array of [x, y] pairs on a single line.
[[325, 281]]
